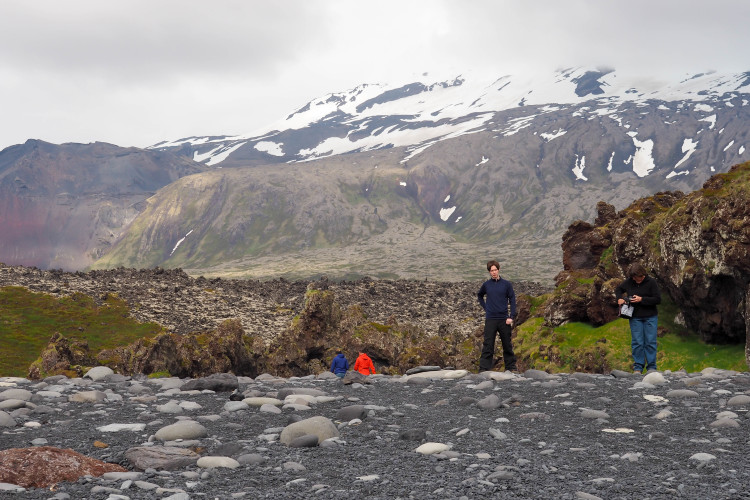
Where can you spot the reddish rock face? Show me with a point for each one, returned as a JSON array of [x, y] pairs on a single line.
[[62, 206], [43, 466]]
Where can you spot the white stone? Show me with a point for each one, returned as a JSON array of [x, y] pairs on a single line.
[[499, 375], [663, 414], [654, 378], [185, 429], [235, 406], [190, 406], [87, 397], [300, 399], [371, 477], [431, 448], [121, 427], [214, 462], [727, 414], [703, 457], [170, 407], [260, 401]]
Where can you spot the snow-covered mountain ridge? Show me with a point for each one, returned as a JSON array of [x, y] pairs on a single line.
[[417, 115], [373, 181]]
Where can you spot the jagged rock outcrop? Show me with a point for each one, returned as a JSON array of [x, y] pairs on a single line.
[[62, 355], [198, 354], [307, 346], [323, 328], [697, 246]]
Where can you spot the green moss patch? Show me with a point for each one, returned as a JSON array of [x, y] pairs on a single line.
[[28, 320]]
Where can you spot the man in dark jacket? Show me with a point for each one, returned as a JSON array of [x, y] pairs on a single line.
[[339, 365], [497, 318], [641, 292]]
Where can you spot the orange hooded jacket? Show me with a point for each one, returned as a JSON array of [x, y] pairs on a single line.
[[364, 364]]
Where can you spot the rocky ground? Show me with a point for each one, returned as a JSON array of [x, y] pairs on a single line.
[[182, 303], [435, 434]]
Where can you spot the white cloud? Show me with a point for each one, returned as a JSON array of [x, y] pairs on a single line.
[[137, 72]]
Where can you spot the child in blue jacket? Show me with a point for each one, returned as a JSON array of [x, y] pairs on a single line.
[[339, 365]]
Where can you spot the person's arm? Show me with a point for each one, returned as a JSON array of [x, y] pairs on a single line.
[[512, 300], [653, 296], [480, 295], [619, 292]]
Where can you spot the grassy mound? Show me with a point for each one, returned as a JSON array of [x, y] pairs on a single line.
[[28, 320], [582, 347]]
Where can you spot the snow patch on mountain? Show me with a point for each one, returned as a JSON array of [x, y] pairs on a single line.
[[180, 242], [578, 168], [272, 148]]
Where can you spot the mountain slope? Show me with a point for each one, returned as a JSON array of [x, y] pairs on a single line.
[[497, 183], [61, 206]]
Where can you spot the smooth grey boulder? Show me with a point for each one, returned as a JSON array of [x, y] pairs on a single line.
[[321, 427], [348, 413], [306, 441], [14, 393], [490, 402], [306, 391], [184, 429], [218, 382], [420, 369]]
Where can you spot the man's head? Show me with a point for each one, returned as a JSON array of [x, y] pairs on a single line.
[[637, 272], [493, 267]]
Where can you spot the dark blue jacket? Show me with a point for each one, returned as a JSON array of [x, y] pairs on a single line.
[[499, 293], [339, 364], [648, 290]]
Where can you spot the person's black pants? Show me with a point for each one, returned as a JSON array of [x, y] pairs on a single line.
[[491, 328]]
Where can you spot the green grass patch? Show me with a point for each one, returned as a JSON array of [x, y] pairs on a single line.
[[28, 320], [582, 347]]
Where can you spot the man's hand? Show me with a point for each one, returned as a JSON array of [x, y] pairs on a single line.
[[509, 321]]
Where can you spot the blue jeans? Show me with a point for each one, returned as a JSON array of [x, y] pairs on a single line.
[[643, 332]]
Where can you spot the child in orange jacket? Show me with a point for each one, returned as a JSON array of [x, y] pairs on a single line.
[[364, 364]]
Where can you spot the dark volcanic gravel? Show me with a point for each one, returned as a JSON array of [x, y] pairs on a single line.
[[531, 435]]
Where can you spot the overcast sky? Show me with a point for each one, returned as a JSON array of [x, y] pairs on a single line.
[[136, 72]]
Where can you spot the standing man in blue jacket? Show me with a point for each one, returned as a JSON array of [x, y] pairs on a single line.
[[500, 311]]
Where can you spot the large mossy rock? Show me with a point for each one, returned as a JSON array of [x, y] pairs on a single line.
[[697, 246]]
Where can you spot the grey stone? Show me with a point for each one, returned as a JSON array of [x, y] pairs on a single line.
[[320, 426], [305, 441], [218, 382], [351, 412], [160, 457]]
